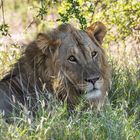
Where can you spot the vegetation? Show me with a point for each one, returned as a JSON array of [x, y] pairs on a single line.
[[120, 118]]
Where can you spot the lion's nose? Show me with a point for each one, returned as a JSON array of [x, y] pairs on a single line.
[[92, 80]]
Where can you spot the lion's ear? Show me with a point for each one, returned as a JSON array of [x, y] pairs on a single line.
[[42, 42], [97, 31], [46, 43]]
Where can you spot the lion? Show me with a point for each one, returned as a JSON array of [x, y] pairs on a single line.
[[69, 63]]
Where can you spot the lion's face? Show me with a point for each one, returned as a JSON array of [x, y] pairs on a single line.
[[80, 62], [79, 59]]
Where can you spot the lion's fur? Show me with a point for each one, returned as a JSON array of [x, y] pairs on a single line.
[[39, 68]]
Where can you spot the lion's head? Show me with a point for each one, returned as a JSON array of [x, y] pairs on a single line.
[[75, 62]]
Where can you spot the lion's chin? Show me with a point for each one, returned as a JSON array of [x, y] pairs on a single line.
[[95, 93]]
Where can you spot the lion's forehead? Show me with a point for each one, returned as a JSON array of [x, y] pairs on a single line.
[[77, 40], [78, 37]]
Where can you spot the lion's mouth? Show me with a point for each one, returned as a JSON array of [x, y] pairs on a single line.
[[87, 87], [91, 91], [90, 87]]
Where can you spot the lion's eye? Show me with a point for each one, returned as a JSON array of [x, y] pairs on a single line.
[[94, 54], [72, 58]]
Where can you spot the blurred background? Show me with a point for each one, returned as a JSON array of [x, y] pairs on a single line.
[[21, 20]]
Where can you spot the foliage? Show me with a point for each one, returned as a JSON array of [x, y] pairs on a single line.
[[4, 29], [43, 9], [123, 14], [73, 10]]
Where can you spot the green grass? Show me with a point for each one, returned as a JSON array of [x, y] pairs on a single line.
[[109, 124]]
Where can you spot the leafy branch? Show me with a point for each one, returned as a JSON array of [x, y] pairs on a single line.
[[3, 27], [43, 10], [73, 11]]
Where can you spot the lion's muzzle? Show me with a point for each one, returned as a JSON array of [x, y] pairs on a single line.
[[94, 87]]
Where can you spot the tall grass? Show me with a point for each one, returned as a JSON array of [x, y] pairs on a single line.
[[58, 125], [117, 120]]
